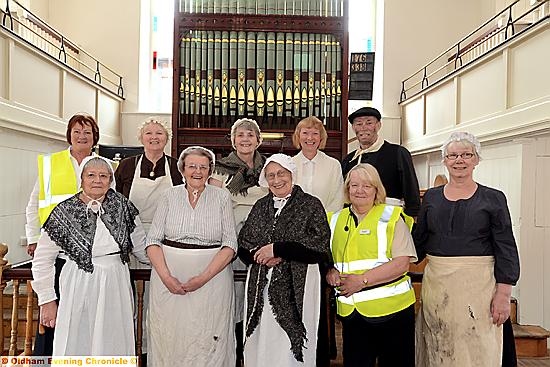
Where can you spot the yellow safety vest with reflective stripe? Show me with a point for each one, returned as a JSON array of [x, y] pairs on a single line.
[[365, 247], [57, 181]]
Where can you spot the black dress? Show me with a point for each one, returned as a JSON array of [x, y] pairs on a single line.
[[478, 226]]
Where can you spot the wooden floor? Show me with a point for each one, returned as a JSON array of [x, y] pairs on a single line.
[[522, 362]]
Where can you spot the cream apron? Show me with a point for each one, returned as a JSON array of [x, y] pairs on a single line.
[[454, 325], [145, 195]]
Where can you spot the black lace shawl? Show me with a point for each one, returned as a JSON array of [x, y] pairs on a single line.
[[302, 220], [243, 177], [73, 228]]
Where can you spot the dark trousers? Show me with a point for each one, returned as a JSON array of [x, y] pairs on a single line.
[[509, 358], [43, 343], [390, 341]]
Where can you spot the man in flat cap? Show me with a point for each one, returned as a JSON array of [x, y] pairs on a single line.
[[393, 162]]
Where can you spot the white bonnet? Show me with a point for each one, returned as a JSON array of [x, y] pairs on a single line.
[[285, 161]]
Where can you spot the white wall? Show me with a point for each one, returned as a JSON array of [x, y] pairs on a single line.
[[109, 30], [18, 151], [410, 34]]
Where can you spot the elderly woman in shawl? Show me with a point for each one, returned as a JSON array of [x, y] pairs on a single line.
[[97, 229], [286, 239]]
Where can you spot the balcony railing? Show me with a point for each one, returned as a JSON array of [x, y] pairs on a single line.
[[24, 24], [497, 30]]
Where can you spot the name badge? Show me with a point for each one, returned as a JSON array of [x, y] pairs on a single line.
[[364, 231]]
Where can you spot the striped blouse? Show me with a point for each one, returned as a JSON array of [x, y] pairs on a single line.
[[211, 222]]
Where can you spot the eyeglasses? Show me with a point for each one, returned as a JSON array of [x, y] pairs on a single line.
[[454, 156], [195, 167], [280, 174], [100, 176]]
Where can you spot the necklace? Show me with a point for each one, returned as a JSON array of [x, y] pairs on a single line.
[[152, 174]]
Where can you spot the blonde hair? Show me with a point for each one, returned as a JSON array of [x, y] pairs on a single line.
[[307, 123], [154, 120], [370, 175]]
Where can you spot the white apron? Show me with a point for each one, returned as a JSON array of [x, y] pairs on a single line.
[[94, 316], [145, 193], [269, 344], [195, 329], [454, 325]]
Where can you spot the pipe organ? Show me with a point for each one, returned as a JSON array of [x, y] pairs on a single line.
[[275, 61]]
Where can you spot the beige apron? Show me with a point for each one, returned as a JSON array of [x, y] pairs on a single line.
[[454, 325]]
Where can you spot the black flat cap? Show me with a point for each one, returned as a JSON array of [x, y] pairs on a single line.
[[365, 111]]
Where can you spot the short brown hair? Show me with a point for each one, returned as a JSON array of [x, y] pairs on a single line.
[[368, 173], [83, 119], [308, 123]]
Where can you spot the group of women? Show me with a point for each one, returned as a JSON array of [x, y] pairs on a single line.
[[201, 214]]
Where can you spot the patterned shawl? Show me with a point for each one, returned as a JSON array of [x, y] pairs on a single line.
[[73, 228], [242, 176], [302, 220]]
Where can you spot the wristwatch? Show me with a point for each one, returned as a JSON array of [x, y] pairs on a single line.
[[365, 281]]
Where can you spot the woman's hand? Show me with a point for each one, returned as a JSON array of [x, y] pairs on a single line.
[[264, 254], [195, 283], [273, 262], [48, 314], [350, 284], [31, 247], [333, 277], [500, 304], [173, 284]]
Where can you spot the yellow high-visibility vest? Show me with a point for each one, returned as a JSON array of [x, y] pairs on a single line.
[[362, 248], [57, 181]]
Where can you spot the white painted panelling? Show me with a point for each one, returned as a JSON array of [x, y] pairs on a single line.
[[108, 117], [500, 168], [421, 169], [34, 82], [440, 110], [532, 293], [545, 284], [542, 181], [19, 151], [3, 66], [11, 226], [78, 97], [413, 113], [481, 90], [391, 129], [529, 73]]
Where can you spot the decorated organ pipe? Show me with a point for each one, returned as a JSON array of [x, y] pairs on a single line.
[[275, 77]]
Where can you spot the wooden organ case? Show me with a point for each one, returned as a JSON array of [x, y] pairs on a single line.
[[274, 61]]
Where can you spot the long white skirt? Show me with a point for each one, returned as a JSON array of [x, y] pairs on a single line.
[[95, 314], [269, 345], [195, 329]]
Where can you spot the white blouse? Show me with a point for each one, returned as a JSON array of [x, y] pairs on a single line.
[[321, 177]]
